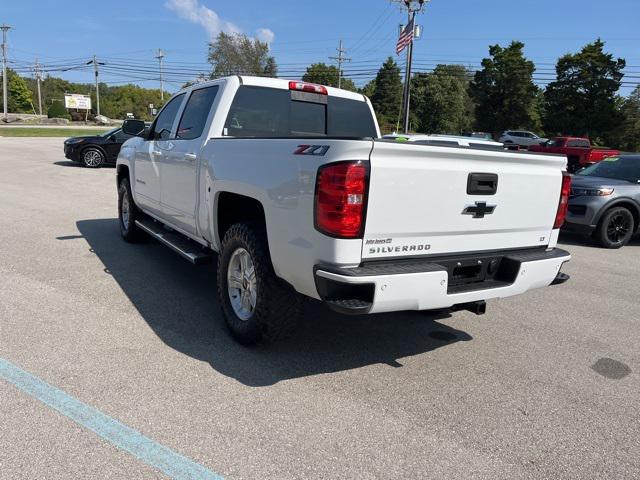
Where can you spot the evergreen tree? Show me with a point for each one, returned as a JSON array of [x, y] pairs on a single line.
[[583, 100], [440, 101], [387, 96], [503, 90]]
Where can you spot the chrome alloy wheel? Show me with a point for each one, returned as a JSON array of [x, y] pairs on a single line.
[[241, 284], [124, 211], [92, 158]]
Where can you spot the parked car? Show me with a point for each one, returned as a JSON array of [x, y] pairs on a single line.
[[94, 151], [521, 137], [483, 135], [444, 140], [605, 201], [578, 150], [289, 184]]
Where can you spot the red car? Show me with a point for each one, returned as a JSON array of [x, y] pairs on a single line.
[[578, 150]]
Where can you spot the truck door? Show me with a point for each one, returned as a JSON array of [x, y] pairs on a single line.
[[180, 165], [150, 156]]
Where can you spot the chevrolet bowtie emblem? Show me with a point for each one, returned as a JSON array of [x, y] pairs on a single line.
[[479, 210]]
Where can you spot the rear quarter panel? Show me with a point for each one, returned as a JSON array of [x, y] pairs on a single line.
[[284, 183]]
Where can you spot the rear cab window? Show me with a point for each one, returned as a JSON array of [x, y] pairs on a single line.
[[196, 113], [260, 112]]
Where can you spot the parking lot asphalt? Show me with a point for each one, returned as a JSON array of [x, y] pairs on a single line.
[[545, 385]]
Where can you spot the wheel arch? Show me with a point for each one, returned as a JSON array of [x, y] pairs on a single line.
[[230, 208], [626, 202], [122, 171]]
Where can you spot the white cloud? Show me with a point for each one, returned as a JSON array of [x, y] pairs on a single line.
[[265, 35], [199, 14]]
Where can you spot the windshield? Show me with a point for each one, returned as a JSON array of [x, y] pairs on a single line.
[[619, 168], [108, 133], [555, 142]]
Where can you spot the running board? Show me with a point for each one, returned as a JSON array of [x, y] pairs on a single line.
[[177, 242]]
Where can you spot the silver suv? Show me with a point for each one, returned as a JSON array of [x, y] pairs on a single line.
[[521, 137]]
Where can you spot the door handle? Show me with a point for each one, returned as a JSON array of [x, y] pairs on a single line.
[[156, 152], [191, 157]]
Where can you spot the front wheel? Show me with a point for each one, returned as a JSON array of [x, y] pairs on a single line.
[[616, 228], [256, 305], [92, 157]]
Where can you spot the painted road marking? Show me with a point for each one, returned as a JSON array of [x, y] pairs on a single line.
[[111, 430]]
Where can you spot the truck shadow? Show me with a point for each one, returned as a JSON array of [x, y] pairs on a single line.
[[179, 303]]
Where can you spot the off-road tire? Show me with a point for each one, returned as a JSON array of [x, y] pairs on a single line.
[[92, 157], [128, 228], [605, 234], [278, 307]]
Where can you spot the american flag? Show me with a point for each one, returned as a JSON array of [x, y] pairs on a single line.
[[405, 38]]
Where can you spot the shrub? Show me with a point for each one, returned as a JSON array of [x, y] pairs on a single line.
[[57, 110]]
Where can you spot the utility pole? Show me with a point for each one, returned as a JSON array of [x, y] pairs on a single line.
[[413, 7], [5, 28], [95, 71], [36, 68], [160, 56], [340, 59]]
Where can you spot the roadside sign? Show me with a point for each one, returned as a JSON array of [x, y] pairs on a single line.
[[78, 101]]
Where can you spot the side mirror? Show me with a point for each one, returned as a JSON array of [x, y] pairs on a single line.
[[112, 138], [133, 127]]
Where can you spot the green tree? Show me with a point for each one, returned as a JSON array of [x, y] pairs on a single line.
[[582, 100], [440, 101], [503, 90], [237, 54], [57, 110], [324, 74], [19, 96], [369, 89], [628, 137], [387, 95]]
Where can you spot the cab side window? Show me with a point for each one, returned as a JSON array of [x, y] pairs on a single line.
[[164, 122], [196, 112]]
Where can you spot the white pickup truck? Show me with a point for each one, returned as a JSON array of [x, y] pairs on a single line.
[[289, 183]]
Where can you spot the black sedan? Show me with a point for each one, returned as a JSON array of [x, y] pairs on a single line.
[[93, 151]]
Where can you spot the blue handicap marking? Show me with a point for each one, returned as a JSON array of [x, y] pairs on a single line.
[[152, 453]]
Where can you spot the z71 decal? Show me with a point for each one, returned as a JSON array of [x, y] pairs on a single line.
[[311, 150]]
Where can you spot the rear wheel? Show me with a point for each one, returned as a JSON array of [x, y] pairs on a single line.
[[616, 228], [256, 305], [128, 213], [92, 157]]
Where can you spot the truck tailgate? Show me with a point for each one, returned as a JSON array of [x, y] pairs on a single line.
[[428, 200]]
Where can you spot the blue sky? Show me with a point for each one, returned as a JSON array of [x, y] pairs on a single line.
[[126, 33]]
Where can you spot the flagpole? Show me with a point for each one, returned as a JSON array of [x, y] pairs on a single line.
[[406, 97]]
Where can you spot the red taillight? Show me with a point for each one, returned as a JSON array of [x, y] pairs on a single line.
[[341, 196], [563, 204], [308, 87]]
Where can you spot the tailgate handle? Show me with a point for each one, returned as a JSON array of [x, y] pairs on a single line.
[[482, 184]]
